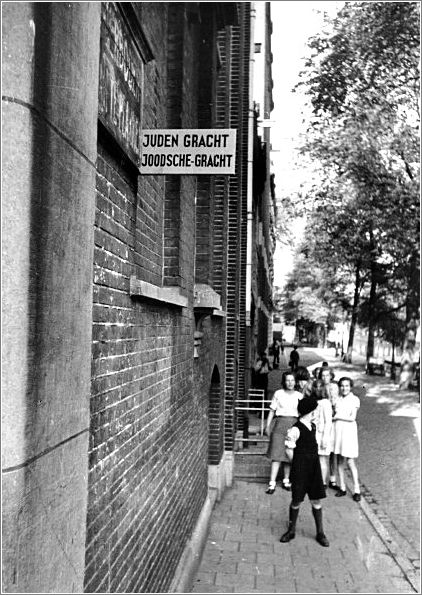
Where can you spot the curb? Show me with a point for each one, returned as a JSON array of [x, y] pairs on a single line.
[[410, 573]]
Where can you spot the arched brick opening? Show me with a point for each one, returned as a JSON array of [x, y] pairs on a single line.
[[215, 420]]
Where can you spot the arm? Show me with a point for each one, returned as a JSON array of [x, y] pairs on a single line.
[[328, 422], [269, 420], [290, 442], [349, 416]]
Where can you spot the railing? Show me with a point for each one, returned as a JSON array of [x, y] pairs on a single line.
[[256, 404]]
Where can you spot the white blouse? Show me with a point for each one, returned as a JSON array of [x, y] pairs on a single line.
[[284, 403]]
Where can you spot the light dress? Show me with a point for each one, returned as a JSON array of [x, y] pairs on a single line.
[[346, 432], [284, 404], [323, 420]]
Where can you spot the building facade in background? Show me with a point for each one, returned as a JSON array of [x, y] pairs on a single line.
[[126, 297]]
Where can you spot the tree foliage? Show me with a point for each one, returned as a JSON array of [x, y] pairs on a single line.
[[362, 78]]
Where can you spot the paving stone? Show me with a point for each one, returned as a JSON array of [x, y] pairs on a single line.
[[246, 527]]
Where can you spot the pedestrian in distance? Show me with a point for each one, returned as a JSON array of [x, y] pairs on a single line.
[[331, 391], [294, 359], [276, 353], [261, 370], [346, 445], [324, 427], [305, 474], [284, 412]]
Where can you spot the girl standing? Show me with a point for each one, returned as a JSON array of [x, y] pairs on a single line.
[[346, 435], [283, 408], [323, 420]]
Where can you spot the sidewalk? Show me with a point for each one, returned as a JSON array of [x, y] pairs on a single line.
[[243, 554]]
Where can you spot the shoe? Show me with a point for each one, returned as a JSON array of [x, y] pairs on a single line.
[[271, 489], [286, 486], [287, 536], [340, 493], [322, 540], [356, 497], [333, 485]]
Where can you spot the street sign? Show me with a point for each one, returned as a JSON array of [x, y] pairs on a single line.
[[188, 151]]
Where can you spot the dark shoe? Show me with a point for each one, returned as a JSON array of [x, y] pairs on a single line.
[[356, 497], [286, 487], [340, 493], [322, 540], [287, 536], [333, 485], [270, 491]]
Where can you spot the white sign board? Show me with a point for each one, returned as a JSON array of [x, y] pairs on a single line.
[[188, 151]]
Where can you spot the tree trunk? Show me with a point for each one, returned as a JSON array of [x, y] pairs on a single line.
[[412, 321], [372, 311], [348, 356]]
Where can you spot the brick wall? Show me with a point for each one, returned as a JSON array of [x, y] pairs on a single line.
[[238, 77], [149, 415]]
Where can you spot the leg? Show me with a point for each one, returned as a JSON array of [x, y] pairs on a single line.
[[355, 476], [342, 490], [333, 471], [286, 477], [275, 466], [317, 514], [291, 531], [323, 460]]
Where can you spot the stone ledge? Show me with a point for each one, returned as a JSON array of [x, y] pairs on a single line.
[[166, 295]]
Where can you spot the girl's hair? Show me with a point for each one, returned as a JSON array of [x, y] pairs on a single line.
[[302, 373], [323, 370], [314, 393], [315, 372], [345, 378], [284, 376]]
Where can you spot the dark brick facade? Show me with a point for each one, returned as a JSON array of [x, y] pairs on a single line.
[[127, 338], [157, 414]]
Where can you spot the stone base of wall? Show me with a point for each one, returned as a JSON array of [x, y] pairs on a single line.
[[219, 478]]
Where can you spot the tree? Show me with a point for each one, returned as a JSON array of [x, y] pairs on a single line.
[[363, 81]]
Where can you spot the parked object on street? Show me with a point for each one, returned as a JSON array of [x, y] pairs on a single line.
[[346, 445], [375, 365], [284, 412], [306, 477]]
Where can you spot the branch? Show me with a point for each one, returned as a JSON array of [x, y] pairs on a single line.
[[382, 312]]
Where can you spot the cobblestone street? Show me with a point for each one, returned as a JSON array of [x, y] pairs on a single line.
[[373, 544]]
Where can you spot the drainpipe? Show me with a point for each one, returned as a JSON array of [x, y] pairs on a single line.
[[249, 226], [251, 119]]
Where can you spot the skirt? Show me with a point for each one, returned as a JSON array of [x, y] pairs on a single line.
[[346, 439], [277, 448]]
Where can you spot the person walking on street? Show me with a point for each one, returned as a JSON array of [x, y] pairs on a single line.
[[331, 391], [283, 408], [305, 474], [294, 359], [346, 435], [276, 353], [261, 370]]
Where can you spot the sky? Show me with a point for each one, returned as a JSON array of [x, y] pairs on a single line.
[[293, 23]]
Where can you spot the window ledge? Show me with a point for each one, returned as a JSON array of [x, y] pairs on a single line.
[[166, 295]]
